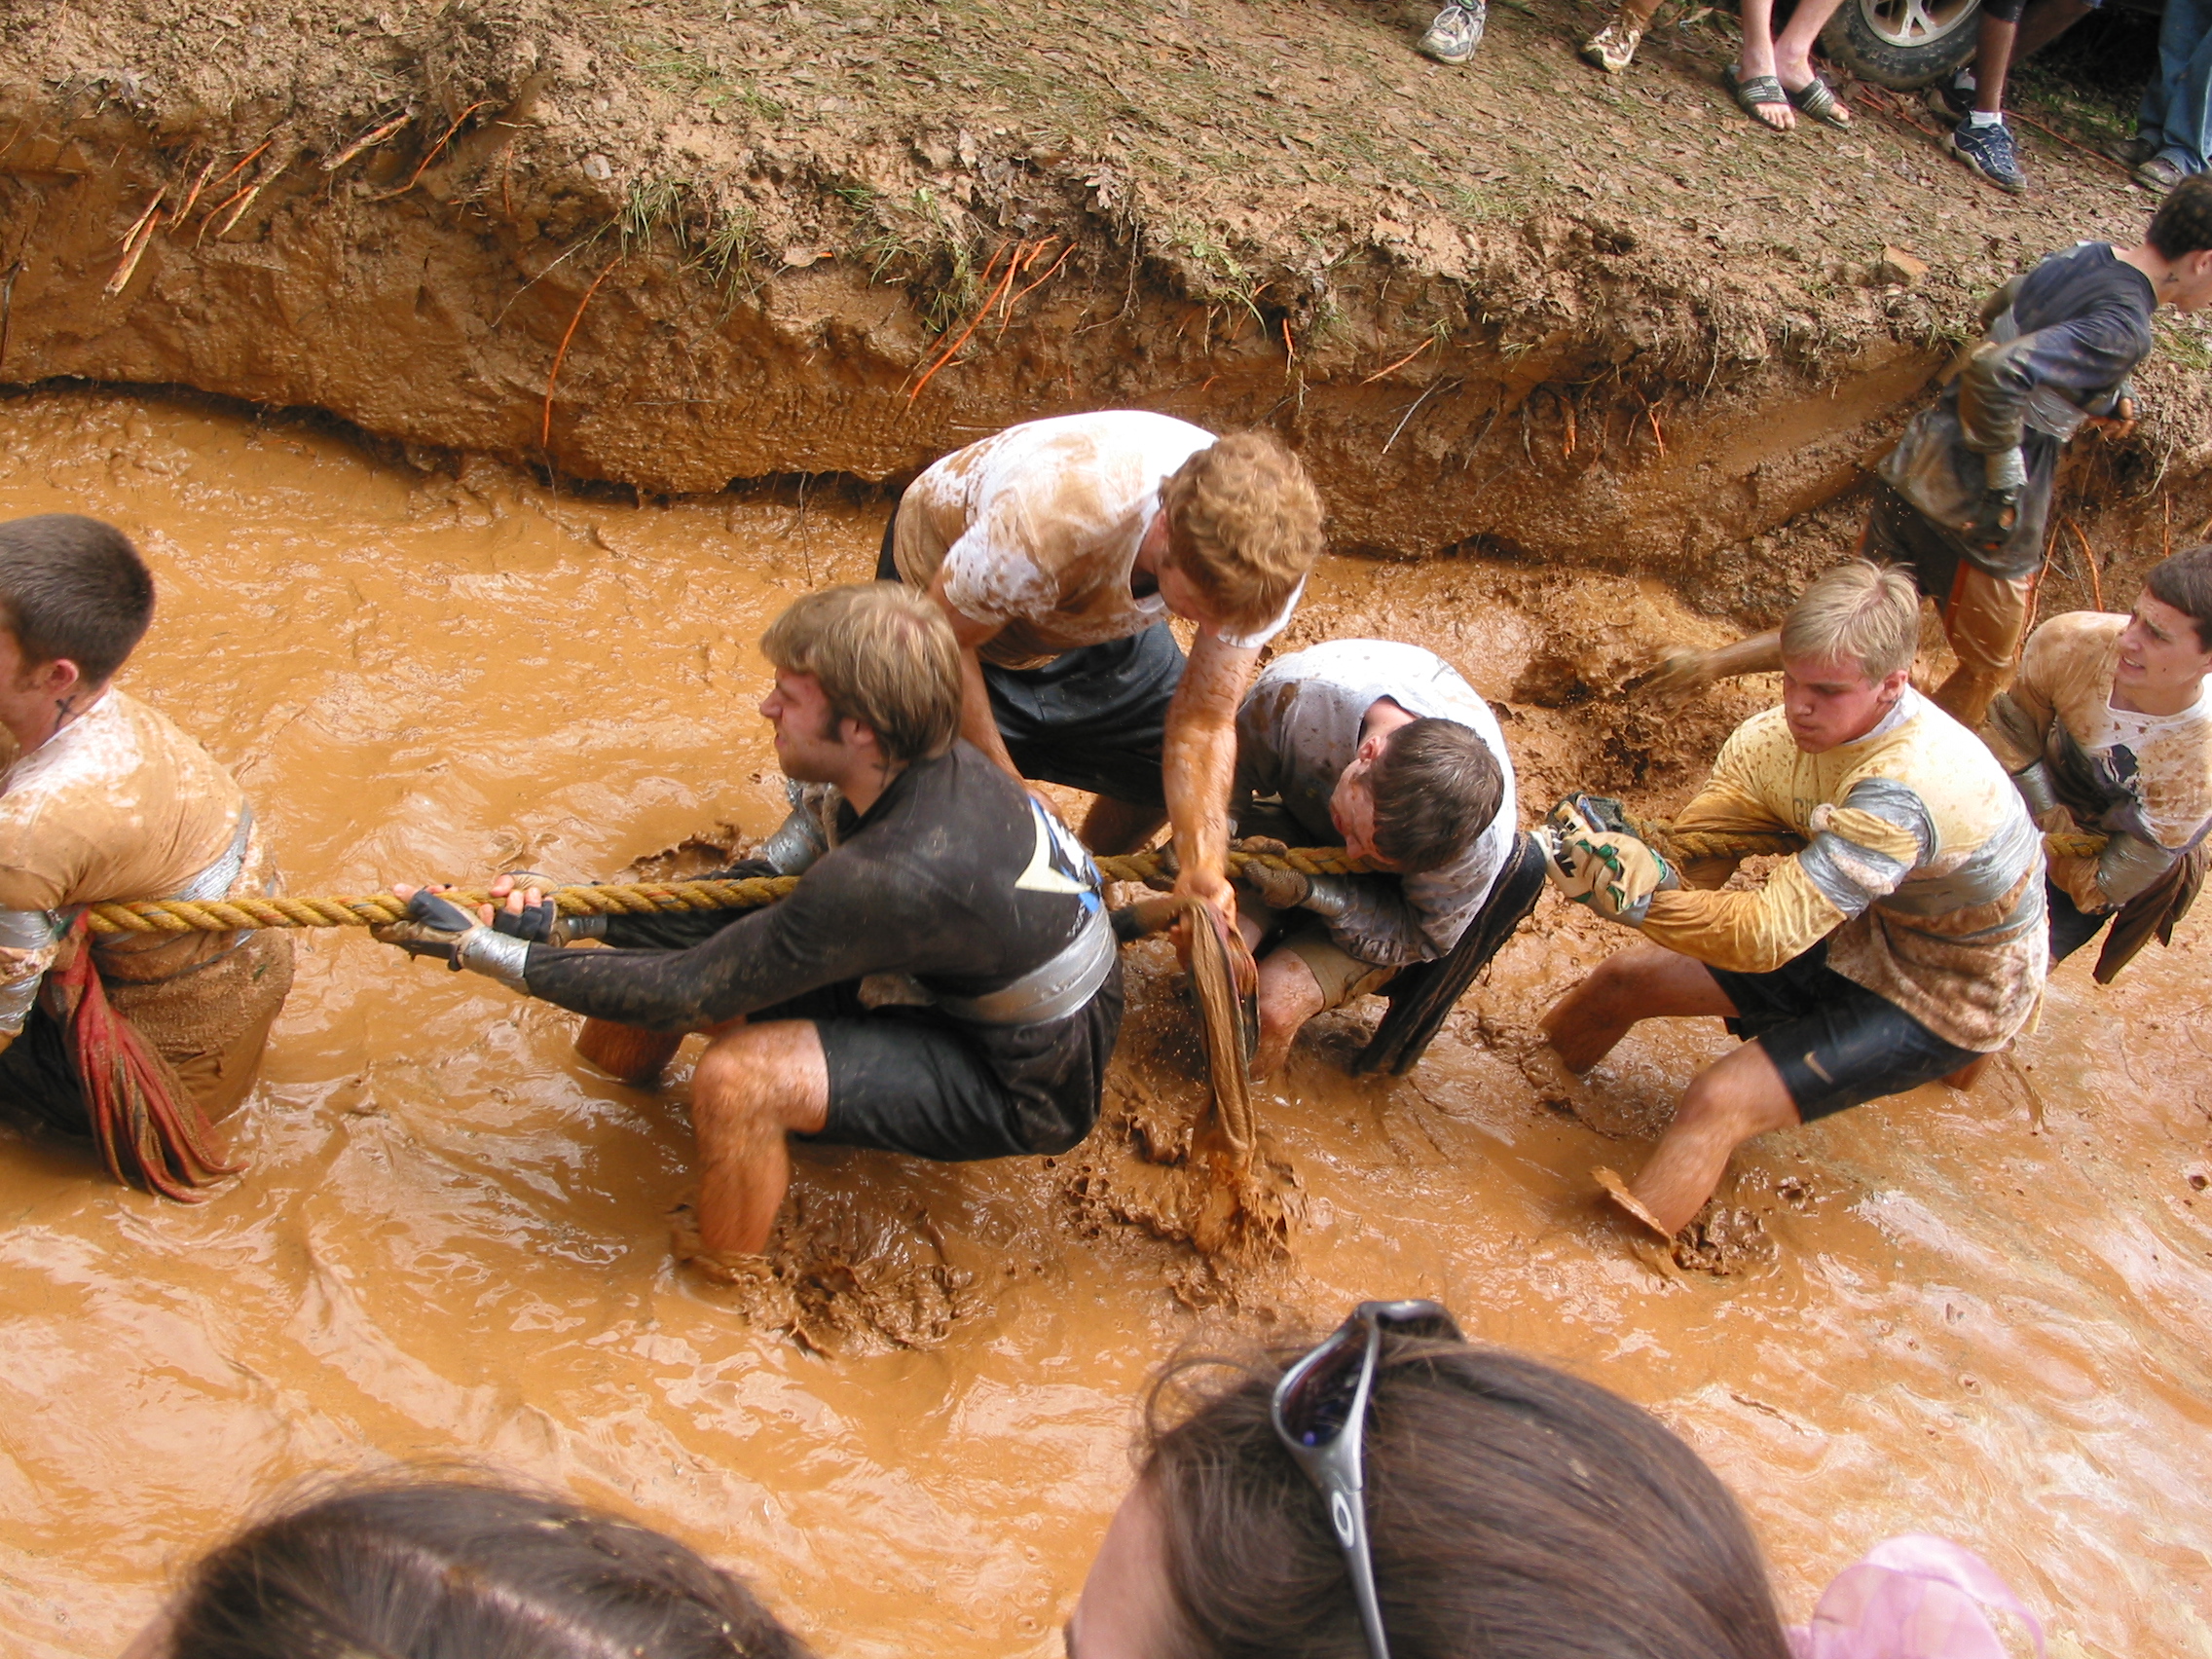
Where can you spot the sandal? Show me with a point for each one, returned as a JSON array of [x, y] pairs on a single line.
[[1818, 100], [1751, 94]]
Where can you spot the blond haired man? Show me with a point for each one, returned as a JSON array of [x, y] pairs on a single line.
[[1906, 938], [1058, 550], [942, 981]]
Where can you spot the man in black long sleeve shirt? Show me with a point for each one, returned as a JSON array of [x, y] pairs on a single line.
[[1963, 499], [940, 870]]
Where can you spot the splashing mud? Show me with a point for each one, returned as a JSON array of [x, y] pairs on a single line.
[[1980, 1315]]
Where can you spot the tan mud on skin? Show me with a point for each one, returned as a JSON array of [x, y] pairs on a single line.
[[1980, 1317]]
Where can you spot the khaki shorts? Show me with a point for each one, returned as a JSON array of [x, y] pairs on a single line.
[[1343, 976]]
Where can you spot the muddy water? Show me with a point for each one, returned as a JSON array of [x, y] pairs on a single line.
[[1978, 1315]]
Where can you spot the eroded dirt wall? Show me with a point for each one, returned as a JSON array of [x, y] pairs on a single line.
[[414, 221]]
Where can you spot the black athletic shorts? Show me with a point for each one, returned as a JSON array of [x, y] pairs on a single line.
[[1835, 1043], [1092, 719], [909, 1080], [2071, 926]]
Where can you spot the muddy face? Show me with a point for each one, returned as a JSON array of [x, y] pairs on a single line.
[[1979, 1315]]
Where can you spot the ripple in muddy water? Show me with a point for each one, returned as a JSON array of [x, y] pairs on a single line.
[[1976, 1315]]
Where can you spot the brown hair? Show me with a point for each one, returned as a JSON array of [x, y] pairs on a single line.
[[885, 657], [1436, 788], [1866, 613], [1244, 525], [446, 1567], [1514, 1513], [73, 587], [2183, 224], [2185, 583]]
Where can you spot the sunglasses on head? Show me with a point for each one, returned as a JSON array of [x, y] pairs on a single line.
[[1320, 1413]]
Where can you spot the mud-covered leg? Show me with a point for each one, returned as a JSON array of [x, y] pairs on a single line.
[[1725, 1106], [1642, 982], [1114, 827], [1289, 996], [1682, 672], [755, 1086]]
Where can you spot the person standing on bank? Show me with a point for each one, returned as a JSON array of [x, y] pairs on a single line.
[[1903, 942], [1385, 750], [2108, 730], [1963, 499], [1059, 550], [137, 1041], [942, 981]]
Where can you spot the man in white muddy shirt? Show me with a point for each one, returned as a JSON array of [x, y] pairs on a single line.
[[1384, 749], [1059, 549]]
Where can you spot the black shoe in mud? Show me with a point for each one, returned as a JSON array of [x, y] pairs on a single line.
[[1991, 152], [1949, 102]]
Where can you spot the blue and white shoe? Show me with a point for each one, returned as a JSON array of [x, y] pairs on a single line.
[[1456, 31], [1991, 153]]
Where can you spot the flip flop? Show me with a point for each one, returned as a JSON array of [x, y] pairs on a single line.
[[1759, 89], [1818, 100]]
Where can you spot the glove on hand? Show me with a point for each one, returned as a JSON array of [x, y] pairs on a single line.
[[2005, 476], [1591, 857], [1278, 889], [434, 927]]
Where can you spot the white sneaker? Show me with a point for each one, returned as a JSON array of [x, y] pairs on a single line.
[[1456, 31], [1612, 48]]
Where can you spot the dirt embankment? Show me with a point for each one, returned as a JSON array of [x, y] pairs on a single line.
[[1580, 321]]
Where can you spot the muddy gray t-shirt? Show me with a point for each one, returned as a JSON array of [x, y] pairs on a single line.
[[1299, 729]]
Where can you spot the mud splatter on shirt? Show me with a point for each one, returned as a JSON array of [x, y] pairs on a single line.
[[1297, 732], [1038, 530]]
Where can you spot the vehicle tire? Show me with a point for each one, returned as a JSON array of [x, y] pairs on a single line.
[[1902, 43]]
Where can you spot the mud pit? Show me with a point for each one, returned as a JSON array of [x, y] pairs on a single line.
[[1978, 1315]]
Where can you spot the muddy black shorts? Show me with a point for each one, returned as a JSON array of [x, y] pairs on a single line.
[[1092, 719], [1835, 1043], [2071, 926], [909, 1080]]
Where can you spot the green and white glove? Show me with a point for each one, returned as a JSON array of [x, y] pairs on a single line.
[[1591, 857]]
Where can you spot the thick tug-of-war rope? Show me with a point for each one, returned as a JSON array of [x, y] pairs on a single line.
[[609, 898], [645, 897]]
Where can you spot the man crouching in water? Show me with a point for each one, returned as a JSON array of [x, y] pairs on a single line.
[[134, 1040], [929, 862], [1906, 938]]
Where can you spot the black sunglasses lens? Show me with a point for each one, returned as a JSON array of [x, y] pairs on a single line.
[[1316, 1407]]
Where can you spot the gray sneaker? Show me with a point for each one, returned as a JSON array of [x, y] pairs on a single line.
[[1456, 31]]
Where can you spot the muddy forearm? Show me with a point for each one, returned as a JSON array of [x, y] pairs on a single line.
[[1200, 759], [1762, 653]]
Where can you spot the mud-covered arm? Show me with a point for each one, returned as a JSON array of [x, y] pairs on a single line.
[[2082, 358], [1198, 758], [1860, 851], [1727, 805], [849, 918], [31, 932], [20, 971]]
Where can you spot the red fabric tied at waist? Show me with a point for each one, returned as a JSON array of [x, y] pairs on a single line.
[[150, 1130]]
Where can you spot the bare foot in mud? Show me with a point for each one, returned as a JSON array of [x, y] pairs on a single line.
[[1617, 1190], [1679, 672], [1722, 1240], [837, 1277]]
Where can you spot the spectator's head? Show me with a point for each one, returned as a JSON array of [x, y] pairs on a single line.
[[72, 591], [1512, 1512], [872, 654], [1243, 527], [1847, 650], [2180, 234], [444, 1568], [1416, 797], [2165, 651]]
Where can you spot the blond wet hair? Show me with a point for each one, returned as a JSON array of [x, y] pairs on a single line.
[[1245, 526], [884, 655], [1859, 611]]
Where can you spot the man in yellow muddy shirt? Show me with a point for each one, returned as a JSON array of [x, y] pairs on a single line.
[[1059, 549], [2107, 730], [106, 800], [1905, 938]]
